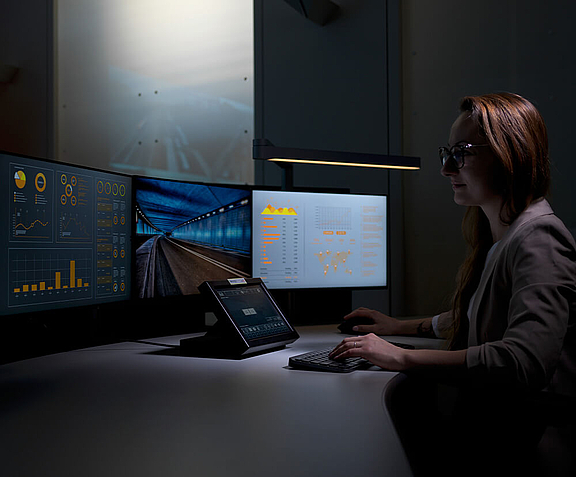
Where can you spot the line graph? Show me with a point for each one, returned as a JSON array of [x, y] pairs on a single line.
[[37, 221], [75, 227], [28, 224]]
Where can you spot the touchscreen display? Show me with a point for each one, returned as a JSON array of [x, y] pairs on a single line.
[[252, 312]]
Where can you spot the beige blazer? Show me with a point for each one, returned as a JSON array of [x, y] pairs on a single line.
[[523, 317]]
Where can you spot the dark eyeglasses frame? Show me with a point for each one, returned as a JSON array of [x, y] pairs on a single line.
[[446, 153]]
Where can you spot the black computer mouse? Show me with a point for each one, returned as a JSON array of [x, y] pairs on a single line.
[[347, 325]]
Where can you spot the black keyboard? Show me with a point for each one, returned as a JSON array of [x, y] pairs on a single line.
[[318, 360]]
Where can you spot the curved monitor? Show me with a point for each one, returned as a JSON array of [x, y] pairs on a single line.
[[66, 239], [319, 240]]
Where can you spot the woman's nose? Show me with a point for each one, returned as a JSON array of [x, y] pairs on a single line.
[[448, 168]]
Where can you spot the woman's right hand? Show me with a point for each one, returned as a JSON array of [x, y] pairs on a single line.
[[383, 324]]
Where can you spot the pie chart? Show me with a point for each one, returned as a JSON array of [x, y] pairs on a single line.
[[20, 179]]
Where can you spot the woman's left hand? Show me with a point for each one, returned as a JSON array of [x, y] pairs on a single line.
[[374, 349]]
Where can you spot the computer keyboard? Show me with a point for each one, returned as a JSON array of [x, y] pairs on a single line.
[[318, 360]]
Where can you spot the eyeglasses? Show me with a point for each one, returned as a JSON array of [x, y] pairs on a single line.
[[457, 153]]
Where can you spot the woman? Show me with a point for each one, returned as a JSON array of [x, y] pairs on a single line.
[[512, 327], [514, 310]]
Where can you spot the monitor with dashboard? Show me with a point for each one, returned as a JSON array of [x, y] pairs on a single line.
[[67, 235], [304, 240]]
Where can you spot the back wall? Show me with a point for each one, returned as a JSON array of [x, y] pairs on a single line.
[[451, 49]]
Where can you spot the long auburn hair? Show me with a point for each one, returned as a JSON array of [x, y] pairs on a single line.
[[517, 136]]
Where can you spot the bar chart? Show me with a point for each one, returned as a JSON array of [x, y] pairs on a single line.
[[46, 275], [279, 242]]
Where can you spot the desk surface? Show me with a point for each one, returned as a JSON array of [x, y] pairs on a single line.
[[139, 409]]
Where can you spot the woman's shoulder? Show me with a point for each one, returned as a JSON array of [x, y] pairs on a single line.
[[539, 238], [543, 250], [538, 222]]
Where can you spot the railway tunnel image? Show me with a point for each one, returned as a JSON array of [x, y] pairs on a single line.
[[187, 233]]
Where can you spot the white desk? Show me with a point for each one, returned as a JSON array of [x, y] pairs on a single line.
[[128, 409]]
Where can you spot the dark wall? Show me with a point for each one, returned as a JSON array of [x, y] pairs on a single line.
[[334, 87], [451, 49], [26, 102]]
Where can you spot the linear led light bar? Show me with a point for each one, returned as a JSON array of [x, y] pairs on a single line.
[[264, 150]]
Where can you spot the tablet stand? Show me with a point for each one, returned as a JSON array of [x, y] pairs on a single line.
[[217, 342]]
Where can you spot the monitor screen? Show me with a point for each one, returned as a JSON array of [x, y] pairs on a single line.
[[66, 240], [187, 233], [319, 240]]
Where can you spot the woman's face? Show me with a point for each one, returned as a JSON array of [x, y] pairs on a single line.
[[474, 183]]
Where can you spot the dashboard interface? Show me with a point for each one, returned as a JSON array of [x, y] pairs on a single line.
[[318, 240], [67, 235]]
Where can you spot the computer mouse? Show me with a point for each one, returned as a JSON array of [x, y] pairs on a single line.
[[347, 325]]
